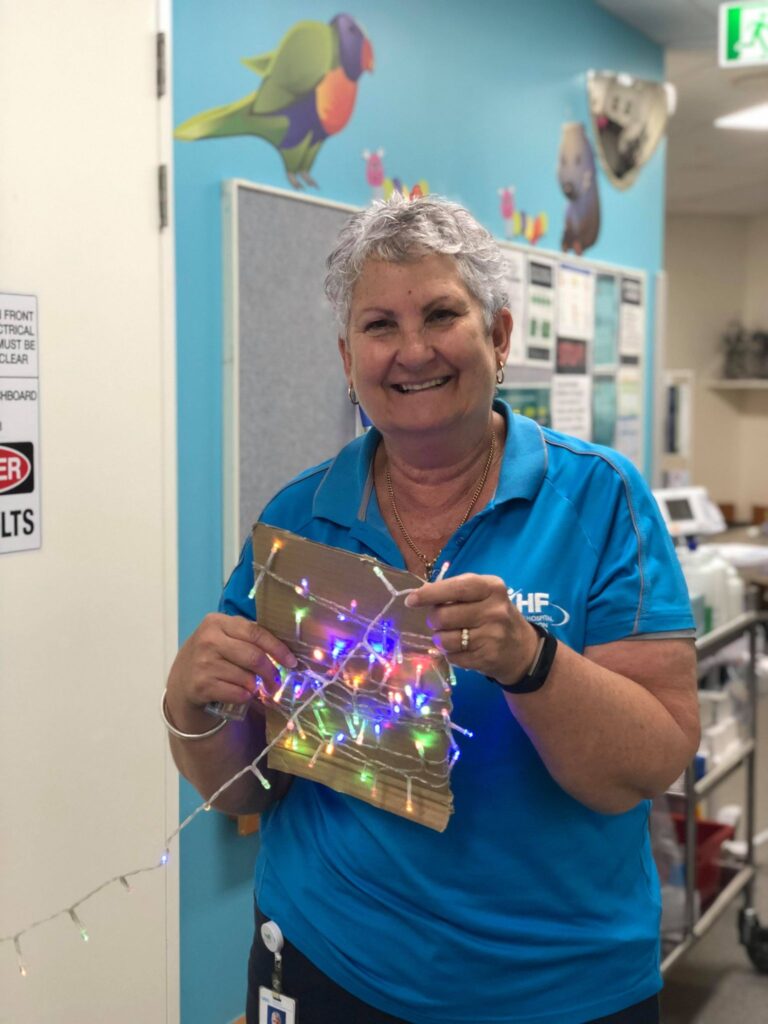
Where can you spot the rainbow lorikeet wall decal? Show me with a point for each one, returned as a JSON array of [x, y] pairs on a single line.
[[308, 92]]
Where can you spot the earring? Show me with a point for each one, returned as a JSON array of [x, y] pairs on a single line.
[[500, 374], [351, 394]]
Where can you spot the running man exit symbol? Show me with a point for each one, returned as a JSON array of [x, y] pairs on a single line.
[[743, 35]]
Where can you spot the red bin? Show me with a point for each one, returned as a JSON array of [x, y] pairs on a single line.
[[710, 836]]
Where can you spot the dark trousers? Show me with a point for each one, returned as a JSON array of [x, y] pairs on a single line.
[[322, 1001]]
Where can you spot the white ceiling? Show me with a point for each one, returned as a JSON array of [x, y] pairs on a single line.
[[709, 170]]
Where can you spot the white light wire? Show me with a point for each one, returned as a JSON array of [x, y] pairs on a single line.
[[417, 640]]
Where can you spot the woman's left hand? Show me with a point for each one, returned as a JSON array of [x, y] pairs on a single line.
[[499, 642]]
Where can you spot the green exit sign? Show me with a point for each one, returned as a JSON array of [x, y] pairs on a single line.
[[743, 36]]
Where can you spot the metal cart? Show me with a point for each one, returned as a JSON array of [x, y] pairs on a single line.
[[751, 933]]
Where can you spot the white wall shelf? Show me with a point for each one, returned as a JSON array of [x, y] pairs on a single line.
[[740, 384]]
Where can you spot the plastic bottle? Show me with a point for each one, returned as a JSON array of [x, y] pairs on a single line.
[[718, 570], [707, 573], [736, 592]]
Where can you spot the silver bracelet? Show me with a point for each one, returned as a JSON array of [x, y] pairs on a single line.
[[187, 735]]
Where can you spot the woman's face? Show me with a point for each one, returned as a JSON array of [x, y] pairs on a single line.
[[417, 351]]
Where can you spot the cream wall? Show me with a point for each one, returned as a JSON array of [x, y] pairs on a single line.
[[88, 622], [756, 298], [716, 269], [753, 408]]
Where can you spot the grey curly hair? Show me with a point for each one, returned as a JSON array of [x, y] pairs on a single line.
[[401, 230]]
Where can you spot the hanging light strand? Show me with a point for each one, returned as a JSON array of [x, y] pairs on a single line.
[[360, 751]]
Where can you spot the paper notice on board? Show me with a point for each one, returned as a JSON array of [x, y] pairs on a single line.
[[631, 320], [575, 302], [540, 324], [19, 424], [515, 282], [604, 410], [629, 388], [531, 400], [629, 399], [572, 404], [628, 438], [571, 356], [606, 346]]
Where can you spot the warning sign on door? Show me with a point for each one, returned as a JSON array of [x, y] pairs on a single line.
[[19, 424]]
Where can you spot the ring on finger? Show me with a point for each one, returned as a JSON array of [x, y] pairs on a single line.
[[465, 639]]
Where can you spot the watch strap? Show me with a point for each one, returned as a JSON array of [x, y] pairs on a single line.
[[537, 674]]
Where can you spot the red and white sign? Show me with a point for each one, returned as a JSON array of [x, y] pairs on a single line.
[[15, 469]]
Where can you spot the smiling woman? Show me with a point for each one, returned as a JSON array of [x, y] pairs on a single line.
[[419, 294], [419, 355], [541, 889]]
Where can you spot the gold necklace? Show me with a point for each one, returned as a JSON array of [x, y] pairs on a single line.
[[429, 563]]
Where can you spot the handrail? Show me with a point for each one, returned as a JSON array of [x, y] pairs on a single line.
[[717, 638], [728, 765]]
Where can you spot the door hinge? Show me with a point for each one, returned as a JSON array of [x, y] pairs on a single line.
[[162, 194], [160, 64]]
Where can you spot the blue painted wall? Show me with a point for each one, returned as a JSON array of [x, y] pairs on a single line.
[[470, 97]]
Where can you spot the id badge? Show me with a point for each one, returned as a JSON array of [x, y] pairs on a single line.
[[276, 1008]]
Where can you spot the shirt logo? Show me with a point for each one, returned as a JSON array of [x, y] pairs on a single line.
[[537, 607]]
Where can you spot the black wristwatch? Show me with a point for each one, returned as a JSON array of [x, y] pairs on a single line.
[[536, 676]]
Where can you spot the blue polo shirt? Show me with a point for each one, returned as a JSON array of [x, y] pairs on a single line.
[[529, 908]]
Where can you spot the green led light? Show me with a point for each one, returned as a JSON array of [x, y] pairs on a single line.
[[426, 739], [320, 722]]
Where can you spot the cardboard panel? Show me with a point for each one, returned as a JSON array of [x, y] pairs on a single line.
[[367, 712]]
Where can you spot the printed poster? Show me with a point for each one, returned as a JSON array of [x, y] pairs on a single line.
[[631, 321], [604, 410], [540, 313], [572, 404], [515, 262], [533, 401], [606, 350], [575, 302], [629, 398], [571, 356]]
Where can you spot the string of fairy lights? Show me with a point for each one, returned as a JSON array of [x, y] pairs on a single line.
[[332, 709]]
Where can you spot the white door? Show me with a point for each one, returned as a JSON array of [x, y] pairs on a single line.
[[88, 621]]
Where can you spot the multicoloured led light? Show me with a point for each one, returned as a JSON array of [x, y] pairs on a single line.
[[78, 924]]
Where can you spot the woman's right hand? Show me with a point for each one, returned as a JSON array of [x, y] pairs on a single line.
[[220, 662]]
